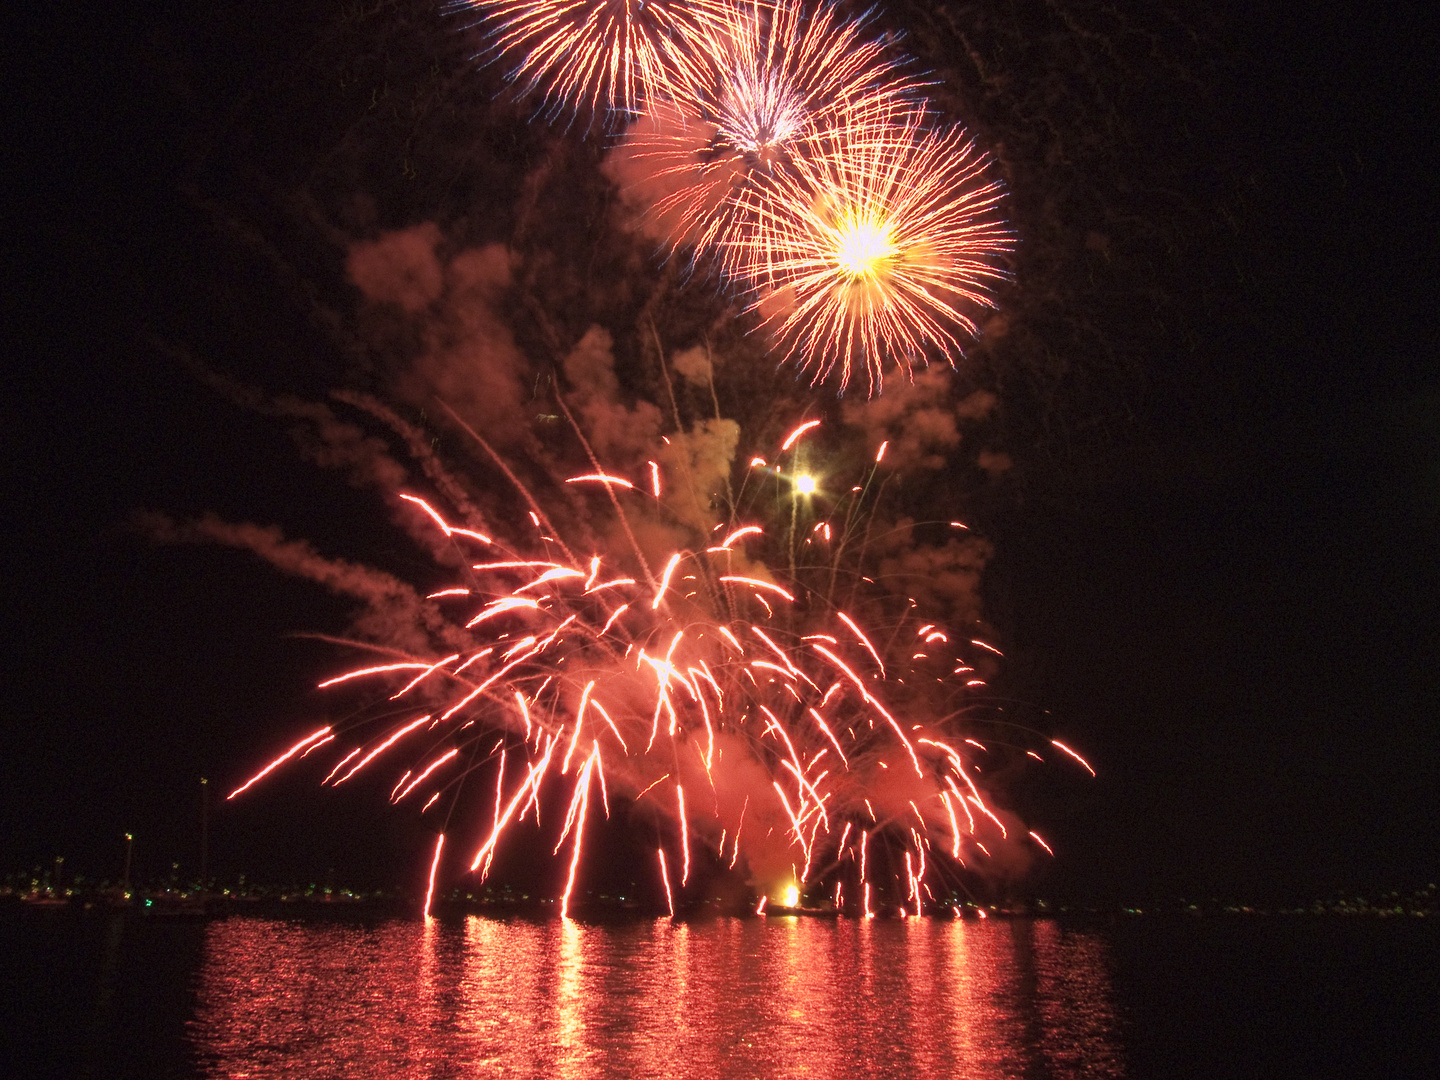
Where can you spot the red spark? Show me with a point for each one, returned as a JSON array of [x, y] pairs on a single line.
[[312, 737], [434, 864], [1065, 749], [794, 435]]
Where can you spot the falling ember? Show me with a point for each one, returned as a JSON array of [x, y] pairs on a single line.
[[758, 584], [665, 580], [684, 835], [1066, 750], [601, 478], [425, 773], [577, 816], [268, 769], [367, 671], [790, 439], [747, 530], [446, 527], [434, 864], [665, 877]]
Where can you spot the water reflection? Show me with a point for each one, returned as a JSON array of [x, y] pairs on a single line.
[[763, 998]]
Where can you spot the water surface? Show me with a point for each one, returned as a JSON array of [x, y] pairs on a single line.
[[758, 998], [123, 995]]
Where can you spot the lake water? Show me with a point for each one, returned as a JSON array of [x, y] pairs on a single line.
[[126, 995]]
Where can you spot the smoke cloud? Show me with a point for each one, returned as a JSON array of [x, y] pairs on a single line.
[[466, 356], [918, 418], [394, 613]]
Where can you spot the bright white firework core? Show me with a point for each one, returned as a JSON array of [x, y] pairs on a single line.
[[760, 113], [805, 484], [863, 243]]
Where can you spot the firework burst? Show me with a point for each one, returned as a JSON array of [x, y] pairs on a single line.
[[876, 252], [781, 79], [798, 725], [600, 55]]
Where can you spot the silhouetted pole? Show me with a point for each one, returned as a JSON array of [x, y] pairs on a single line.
[[125, 879], [204, 832]]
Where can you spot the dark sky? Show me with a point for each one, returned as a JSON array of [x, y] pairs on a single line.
[[1231, 600]]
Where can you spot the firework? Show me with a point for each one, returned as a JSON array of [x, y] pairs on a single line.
[[601, 55], [803, 728], [876, 252], [735, 676], [782, 78]]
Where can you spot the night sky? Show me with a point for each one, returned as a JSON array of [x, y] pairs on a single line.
[[1216, 561]]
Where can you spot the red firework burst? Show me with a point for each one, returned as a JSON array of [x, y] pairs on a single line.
[[765, 723]]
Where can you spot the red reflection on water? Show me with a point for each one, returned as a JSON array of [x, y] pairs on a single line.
[[778, 997], [1077, 1017]]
